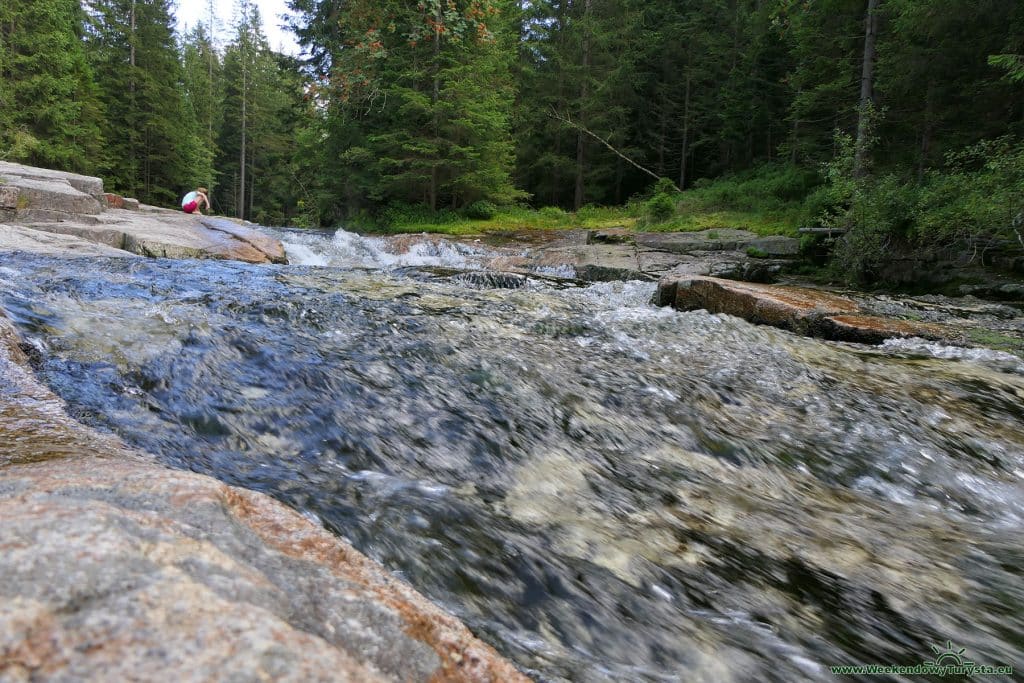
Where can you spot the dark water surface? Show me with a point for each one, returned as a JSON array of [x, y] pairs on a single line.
[[603, 490]]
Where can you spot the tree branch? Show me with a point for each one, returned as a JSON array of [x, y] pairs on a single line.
[[583, 129]]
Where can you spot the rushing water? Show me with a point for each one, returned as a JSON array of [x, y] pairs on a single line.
[[603, 490]]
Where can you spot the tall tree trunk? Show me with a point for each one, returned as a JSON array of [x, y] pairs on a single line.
[[584, 93], [795, 136], [131, 46], [663, 126], [146, 182], [209, 86], [685, 152], [926, 132], [241, 154], [556, 181], [666, 68], [252, 182], [618, 181], [435, 96], [867, 82], [133, 151]]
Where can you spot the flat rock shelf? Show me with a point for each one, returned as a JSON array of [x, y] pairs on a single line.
[[37, 203], [806, 311]]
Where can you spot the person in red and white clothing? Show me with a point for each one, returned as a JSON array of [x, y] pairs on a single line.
[[190, 202]]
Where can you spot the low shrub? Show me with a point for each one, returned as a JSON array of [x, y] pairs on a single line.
[[768, 188], [661, 207], [398, 214], [553, 212], [978, 196], [480, 210]]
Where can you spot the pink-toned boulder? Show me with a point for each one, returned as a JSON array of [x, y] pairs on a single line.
[[806, 311], [114, 201]]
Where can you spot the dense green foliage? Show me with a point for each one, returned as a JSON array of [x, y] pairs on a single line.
[[416, 104], [264, 108], [152, 144], [203, 84], [900, 124], [49, 109]]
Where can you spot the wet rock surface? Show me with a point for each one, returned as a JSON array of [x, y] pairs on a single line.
[[603, 490], [620, 254], [69, 204], [117, 568], [807, 311], [512, 259], [19, 238]]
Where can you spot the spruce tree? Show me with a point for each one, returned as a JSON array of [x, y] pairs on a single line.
[[936, 85], [422, 95], [204, 97], [154, 149], [50, 111], [264, 109]]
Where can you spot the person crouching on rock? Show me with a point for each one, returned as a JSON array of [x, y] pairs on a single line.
[[190, 202]]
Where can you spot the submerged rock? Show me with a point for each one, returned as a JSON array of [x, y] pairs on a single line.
[[806, 311], [117, 568], [70, 204]]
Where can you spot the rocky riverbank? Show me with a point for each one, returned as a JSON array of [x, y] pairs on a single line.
[[55, 212], [721, 271], [117, 568], [618, 254]]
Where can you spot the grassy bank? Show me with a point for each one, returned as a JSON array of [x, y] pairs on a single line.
[[504, 219], [768, 200]]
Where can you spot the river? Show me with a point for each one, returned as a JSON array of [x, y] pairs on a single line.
[[602, 489]]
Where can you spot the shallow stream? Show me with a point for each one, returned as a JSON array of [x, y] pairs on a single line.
[[603, 490]]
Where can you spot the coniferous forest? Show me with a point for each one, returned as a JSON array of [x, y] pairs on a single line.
[[893, 120]]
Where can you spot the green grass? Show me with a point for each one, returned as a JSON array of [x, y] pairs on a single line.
[[767, 200], [694, 219], [597, 218], [996, 340], [507, 219]]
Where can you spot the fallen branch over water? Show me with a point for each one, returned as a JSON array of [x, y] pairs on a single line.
[[564, 118]]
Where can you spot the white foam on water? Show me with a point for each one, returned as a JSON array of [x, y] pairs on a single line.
[[8, 275], [348, 250], [302, 254], [1000, 360], [633, 294], [563, 271]]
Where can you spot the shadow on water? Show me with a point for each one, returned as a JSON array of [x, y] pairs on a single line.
[[601, 489]]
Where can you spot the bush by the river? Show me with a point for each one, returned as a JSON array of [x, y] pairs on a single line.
[[976, 198]]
